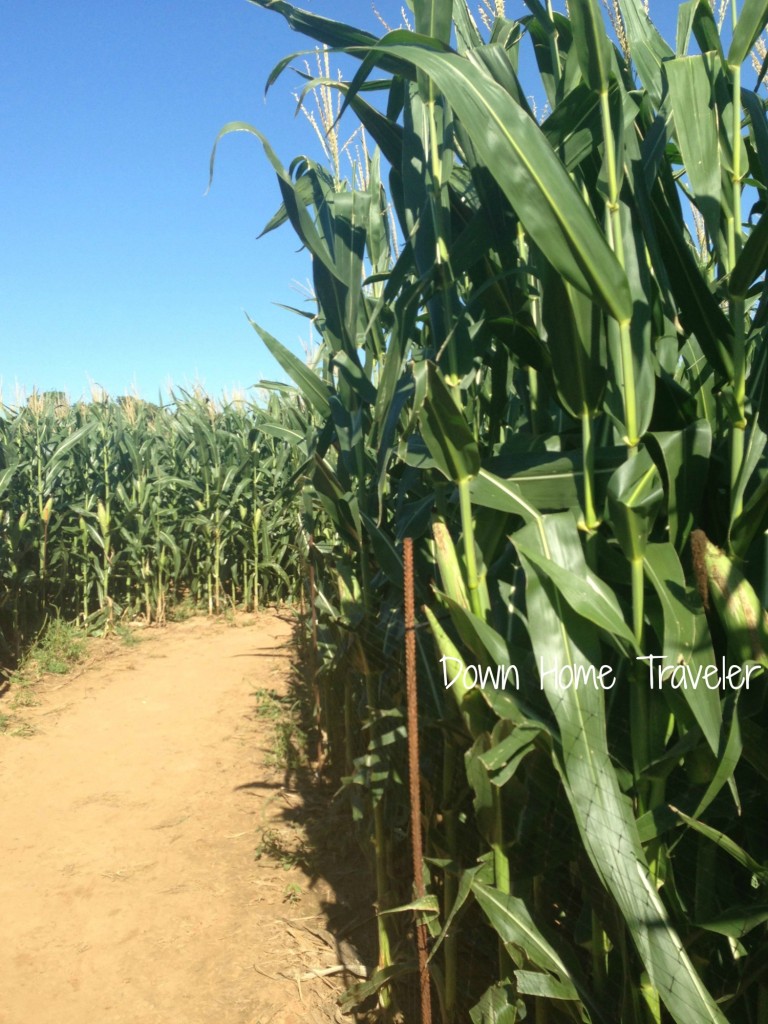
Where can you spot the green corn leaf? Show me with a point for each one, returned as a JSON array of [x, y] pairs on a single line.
[[470, 703], [685, 457], [752, 261], [647, 47], [293, 196], [574, 129], [381, 977], [705, 30], [603, 815], [275, 568], [593, 47], [386, 553], [758, 128], [463, 893], [700, 311], [539, 11], [534, 983], [293, 437], [546, 481], [726, 761], [550, 37], [736, 922], [515, 926], [312, 388], [692, 99], [386, 133], [467, 34], [642, 165], [96, 536], [529, 173], [75, 438], [377, 231], [635, 495], [752, 459], [426, 905], [762, 72], [491, 491], [640, 284], [685, 16], [752, 521], [340, 504], [727, 845], [495, 60], [482, 639], [752, 21], [586, 594], [280, 217], [323, 30], [434, 18], [483, 791], [515, 746], [339, 293], [6, 478], [574, 335], [498, 1005], [444, 428]]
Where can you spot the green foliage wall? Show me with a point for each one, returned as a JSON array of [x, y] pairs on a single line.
[[117, 507], [543, 358]]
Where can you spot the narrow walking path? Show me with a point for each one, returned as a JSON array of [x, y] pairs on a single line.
[[130, 823]]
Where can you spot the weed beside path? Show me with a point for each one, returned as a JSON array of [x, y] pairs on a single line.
[[159, 841]]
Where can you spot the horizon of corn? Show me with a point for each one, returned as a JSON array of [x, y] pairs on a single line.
[[119, 508]]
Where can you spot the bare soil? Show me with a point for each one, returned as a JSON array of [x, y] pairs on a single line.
[[159, 863]]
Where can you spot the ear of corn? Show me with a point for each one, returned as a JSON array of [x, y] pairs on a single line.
[[735, 601]]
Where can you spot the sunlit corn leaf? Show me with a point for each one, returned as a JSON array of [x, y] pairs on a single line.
[[635, 495], [647, 47], [685, 458], [498, 1005], [584, 592], [591, 43], [312, 388], [694, 107], [529, 173], [752, 261], [751, 23], [445, 429]]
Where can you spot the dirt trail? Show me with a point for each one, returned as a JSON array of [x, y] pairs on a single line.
[[129, 890]]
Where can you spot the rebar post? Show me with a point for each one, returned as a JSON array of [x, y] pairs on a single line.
[[318, 714], [414, 776]]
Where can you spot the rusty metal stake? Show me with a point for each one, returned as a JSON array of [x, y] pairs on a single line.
[[320, 753], [414, 776]]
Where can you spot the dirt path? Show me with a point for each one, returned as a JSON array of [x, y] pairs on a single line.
[[129, 822]]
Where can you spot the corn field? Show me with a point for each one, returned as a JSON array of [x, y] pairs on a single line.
[[542, 306], [543, 359], [119, 508]]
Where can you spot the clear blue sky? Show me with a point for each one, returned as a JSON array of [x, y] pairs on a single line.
[[115, 267]]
